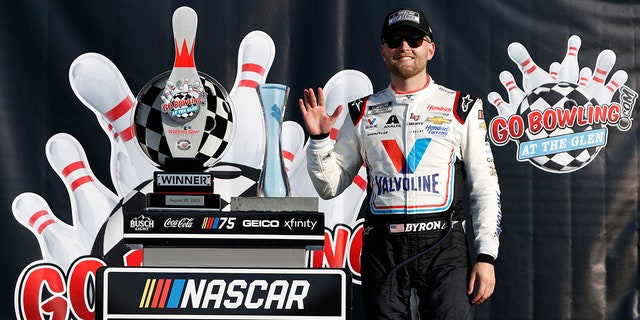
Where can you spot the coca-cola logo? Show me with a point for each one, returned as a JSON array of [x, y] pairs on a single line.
[[179, 223]]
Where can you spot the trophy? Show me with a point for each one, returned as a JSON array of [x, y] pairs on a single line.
[[273, 179], [183, 123]]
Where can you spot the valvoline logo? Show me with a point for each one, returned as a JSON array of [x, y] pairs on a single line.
[[409, 163]]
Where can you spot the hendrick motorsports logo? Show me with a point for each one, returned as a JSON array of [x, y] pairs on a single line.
[[560, 119]]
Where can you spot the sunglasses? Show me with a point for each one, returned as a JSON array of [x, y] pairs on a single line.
[[395, 41]]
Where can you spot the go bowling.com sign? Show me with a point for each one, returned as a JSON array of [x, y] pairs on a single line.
[[560, 119]]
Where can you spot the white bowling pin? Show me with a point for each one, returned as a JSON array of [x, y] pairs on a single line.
[[183, 73], [618, 79], [604, 64], [91, 201], [532, 75], [554, 69], [255, 56], [516, 95], [505, 109], [585, 76], [100, 86], [59, 242], [292, 142], [569, 68]]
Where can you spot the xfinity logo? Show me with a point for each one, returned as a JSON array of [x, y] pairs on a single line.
[[257, 294], [293, 223]]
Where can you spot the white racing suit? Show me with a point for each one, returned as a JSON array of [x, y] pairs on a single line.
[[419, 149]]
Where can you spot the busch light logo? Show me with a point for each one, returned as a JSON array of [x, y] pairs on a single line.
[[560, 119], [141, 223]]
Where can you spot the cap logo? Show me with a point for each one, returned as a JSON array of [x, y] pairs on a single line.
[[404, 15]]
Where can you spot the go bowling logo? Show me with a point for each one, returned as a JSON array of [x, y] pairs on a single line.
[[560, 119]]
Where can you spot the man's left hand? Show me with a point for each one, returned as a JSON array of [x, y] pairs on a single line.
[[483, 276]]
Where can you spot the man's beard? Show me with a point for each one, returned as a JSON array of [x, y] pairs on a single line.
[[404, 71]]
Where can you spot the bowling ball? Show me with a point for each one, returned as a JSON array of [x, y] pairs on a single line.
[[562, 95], [219, 128]]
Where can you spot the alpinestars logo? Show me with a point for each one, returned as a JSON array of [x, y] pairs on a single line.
[[222, 294], [560, 119]]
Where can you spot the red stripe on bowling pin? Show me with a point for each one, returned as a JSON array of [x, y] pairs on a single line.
[[247, 69], [599, 75], [78, 165], [528, 67], [498, 102], [44, 225], [36, 216], [120, 110]]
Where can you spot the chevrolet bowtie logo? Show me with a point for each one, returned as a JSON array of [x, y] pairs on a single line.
[[438, 120]]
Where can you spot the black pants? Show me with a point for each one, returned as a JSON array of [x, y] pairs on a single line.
[[439, 277]]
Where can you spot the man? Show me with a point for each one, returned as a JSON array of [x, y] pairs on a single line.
[[420, 142]]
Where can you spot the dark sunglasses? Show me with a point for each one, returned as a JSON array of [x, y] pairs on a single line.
[[395, 41]]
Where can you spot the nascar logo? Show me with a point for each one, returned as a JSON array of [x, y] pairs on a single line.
[[218, 293]]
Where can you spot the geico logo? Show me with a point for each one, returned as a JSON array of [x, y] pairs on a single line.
[[261, 223], [259, 294]]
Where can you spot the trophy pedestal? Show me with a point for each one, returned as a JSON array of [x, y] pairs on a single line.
[[268, 219], [223, 257]]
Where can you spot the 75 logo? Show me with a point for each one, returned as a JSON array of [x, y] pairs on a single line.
[[219, 223]]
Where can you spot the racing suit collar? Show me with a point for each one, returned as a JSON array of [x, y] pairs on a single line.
[[405, 97], [414, 91]]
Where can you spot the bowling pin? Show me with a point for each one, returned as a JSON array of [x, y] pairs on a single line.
[[554, 69], [100, 86], [604, 64], [569, 68], [182, 78], [516, 95], [255, 56], [91, 201], [532, 75], [292, 142], [505, 109], [59, 242], [585, 76], [618, 79]]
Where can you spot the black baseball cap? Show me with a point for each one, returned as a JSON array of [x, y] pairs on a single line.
[[406, 17]]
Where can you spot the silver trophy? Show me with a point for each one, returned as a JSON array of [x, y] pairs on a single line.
[[273, 178]]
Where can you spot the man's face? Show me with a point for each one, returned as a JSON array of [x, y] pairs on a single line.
[[402, 59]]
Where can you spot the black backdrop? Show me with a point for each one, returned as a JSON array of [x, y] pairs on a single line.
[[570, 243]]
